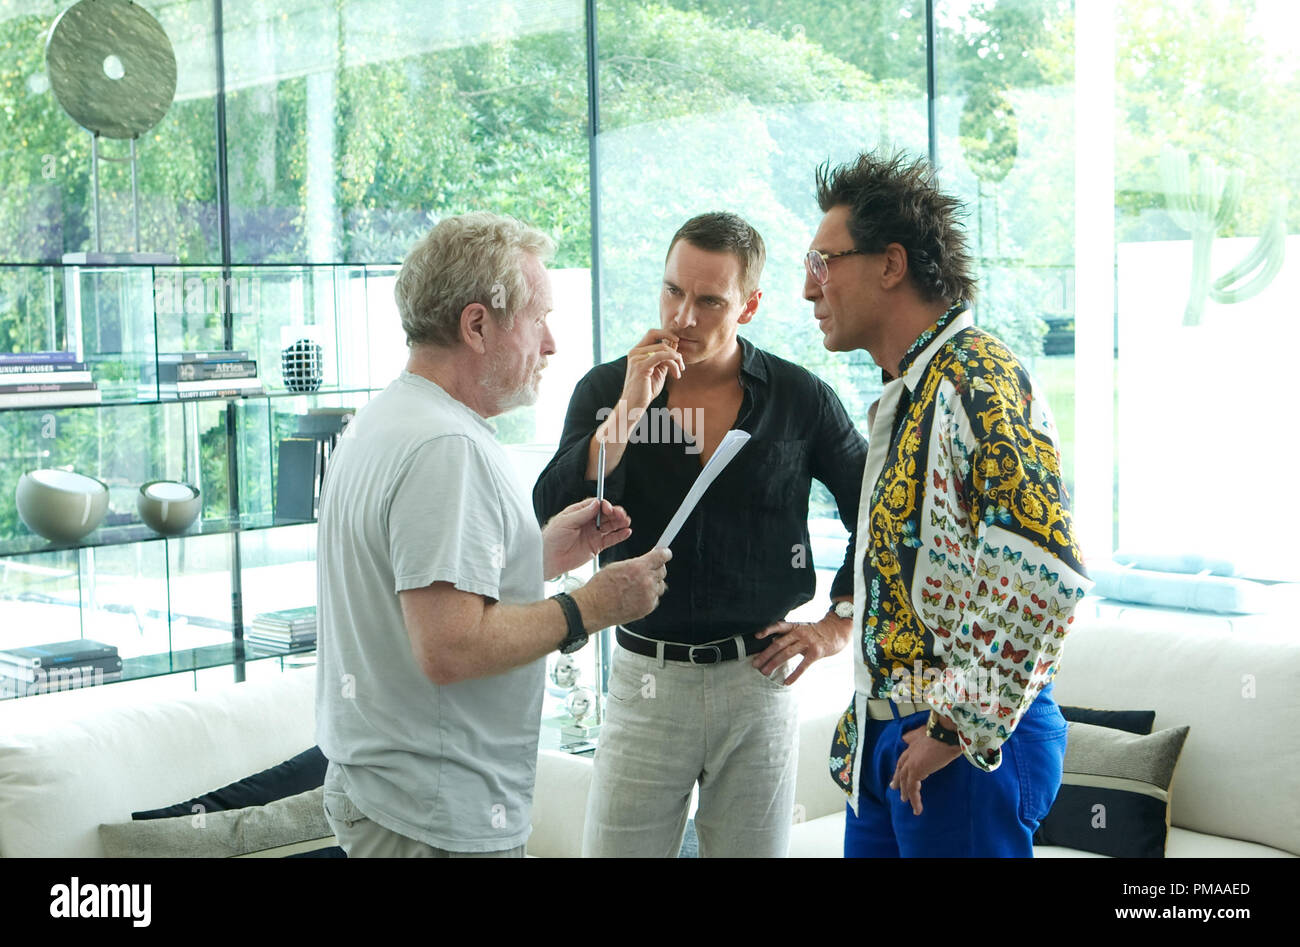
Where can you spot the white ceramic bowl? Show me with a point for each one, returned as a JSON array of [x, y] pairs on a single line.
[[168, 506], [61, 505]]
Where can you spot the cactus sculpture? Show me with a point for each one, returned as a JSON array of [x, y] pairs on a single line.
[[1202, 211]]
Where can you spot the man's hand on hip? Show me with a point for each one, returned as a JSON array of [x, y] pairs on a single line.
[[813, 640], [571, 537], [924, 755]]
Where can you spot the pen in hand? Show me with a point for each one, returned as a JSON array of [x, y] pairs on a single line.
[[600, 481]]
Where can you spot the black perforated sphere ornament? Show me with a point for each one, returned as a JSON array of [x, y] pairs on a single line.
[[303, 365]]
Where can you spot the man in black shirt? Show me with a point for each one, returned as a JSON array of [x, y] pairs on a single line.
[[698, 687]]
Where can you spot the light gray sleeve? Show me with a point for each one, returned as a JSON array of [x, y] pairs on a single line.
[[446, 520]]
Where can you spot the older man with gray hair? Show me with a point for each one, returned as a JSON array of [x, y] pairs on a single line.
[[430, 566]]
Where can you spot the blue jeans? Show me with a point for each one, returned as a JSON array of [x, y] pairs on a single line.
[[965, 812]]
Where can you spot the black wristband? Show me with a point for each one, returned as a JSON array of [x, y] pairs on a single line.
[[937, 731], [577, 636]]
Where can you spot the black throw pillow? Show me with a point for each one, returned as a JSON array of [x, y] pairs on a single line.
[[1133, 721], [305, 771]]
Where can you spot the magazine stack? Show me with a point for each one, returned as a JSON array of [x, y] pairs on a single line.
[[61, 666], [289, 629]]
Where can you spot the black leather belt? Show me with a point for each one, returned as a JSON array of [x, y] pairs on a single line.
[[691, 654]]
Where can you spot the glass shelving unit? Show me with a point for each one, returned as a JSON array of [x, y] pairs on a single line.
[[181, 603]]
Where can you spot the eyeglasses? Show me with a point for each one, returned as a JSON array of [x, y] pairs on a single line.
[[816, 262]]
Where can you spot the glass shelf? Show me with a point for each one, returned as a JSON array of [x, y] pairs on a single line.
[[139, 533], [188, 660], [127, 402], [199, 265], [199, 659]]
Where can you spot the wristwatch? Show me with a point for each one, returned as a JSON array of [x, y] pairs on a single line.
[[577, 636], [937, 731], [843, 609]]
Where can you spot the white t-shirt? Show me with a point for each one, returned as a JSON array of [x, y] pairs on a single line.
[[419, 491]]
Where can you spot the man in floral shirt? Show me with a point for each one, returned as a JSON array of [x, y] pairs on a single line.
[[967, 569]]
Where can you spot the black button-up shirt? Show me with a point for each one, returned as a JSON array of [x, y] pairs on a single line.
[[743, 559]]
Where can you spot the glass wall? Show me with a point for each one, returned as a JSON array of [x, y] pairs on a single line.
[[706, 105], [354, 126], [1131, 212], [46, 205], [1207, 212], [1129, 206], [349, 128], [1125, 164], [1005, 144]]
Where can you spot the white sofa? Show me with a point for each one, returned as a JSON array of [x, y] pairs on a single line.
[[74, 760], [69, 762]]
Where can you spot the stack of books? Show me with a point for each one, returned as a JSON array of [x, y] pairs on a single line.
[[286, 630], [63, 665], [38, 379], [189, 375]]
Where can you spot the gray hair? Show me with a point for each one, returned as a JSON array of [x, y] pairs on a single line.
[[472, 258]]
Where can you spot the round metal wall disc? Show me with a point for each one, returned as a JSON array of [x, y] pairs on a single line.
[[111, 67]]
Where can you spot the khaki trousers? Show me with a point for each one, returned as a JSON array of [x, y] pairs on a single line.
[[362, 837], [724, 726]]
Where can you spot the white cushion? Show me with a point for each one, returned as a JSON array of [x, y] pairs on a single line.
[[1239, 773], [818, 838], [559, 804], [1184, 843], [1057, 851], [69, 762], [815, 794]]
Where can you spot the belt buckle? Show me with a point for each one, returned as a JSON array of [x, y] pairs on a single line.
[[717, 653]]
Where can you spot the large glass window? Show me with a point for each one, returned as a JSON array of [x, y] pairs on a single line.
[[353, 127], [1126, 166], [707, 105], [1131, 217], [1206, 217], [46, 206], [1004, 132]]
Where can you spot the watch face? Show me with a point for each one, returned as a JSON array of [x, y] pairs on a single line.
[[844, 609], [575, 645]]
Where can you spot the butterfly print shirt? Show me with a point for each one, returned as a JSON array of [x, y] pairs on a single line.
[[966, 568]]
